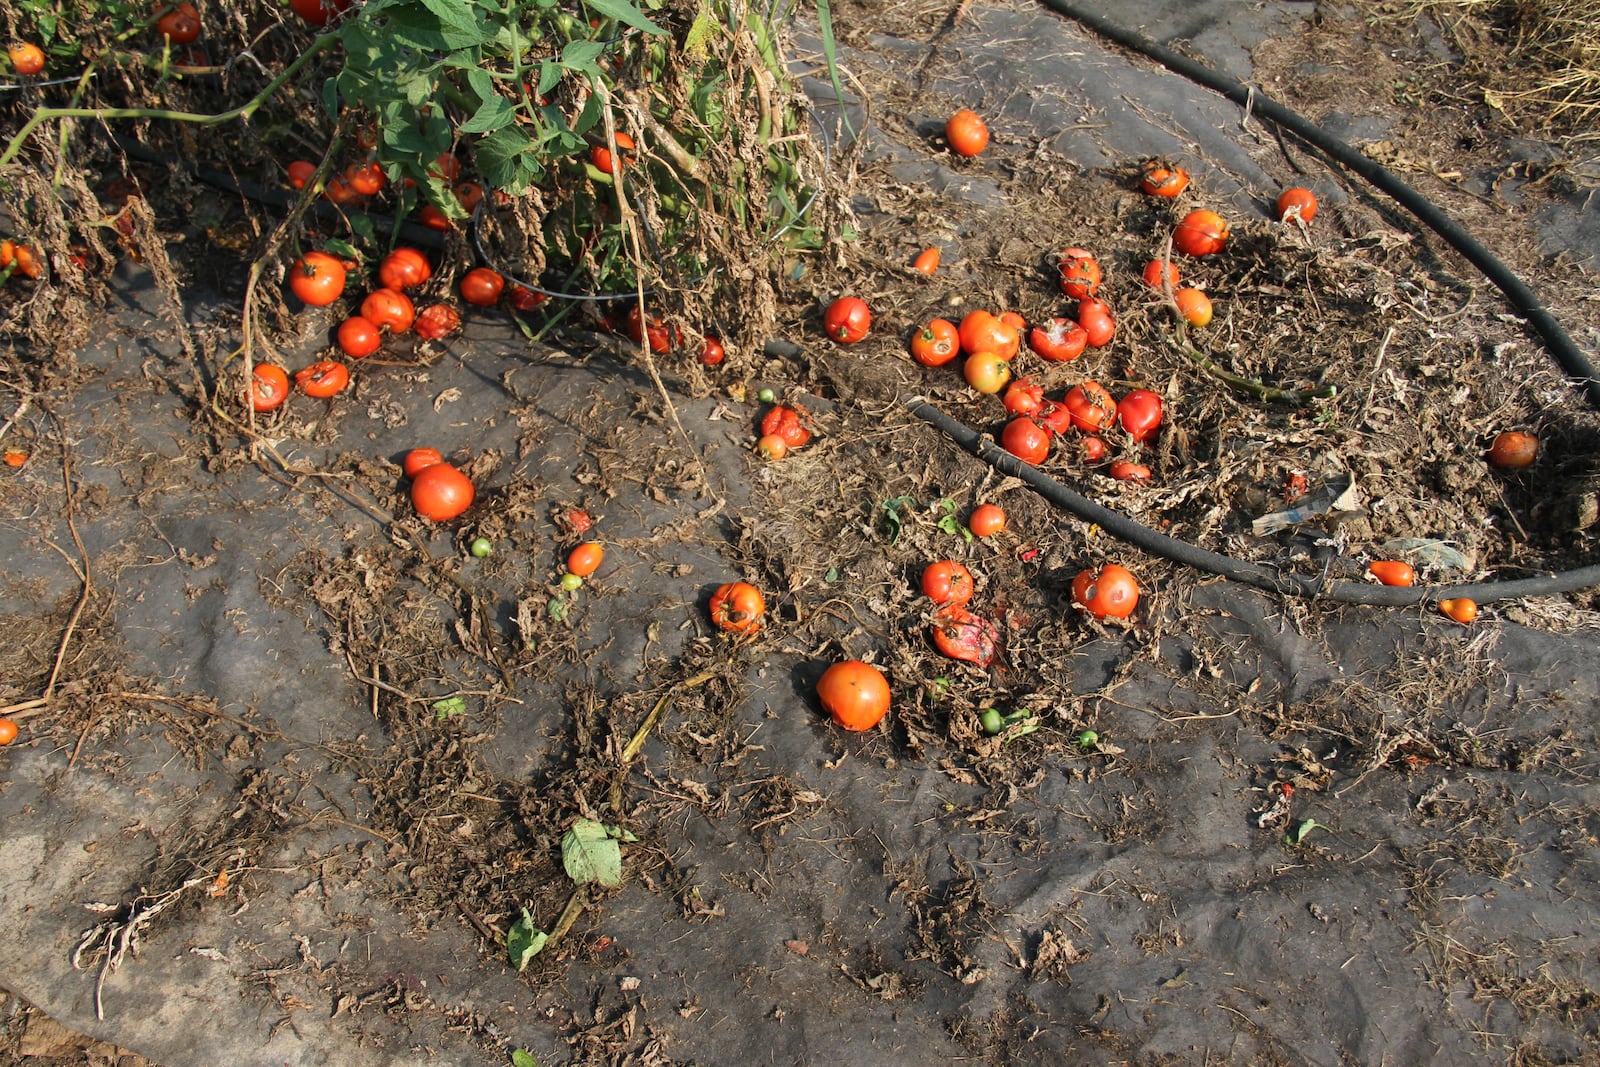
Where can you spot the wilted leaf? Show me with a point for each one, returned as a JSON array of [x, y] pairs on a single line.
[[523, 942]]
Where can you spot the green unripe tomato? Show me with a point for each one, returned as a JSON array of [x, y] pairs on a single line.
[[991, 721], [481, 547], [570, 581], [767, 396]]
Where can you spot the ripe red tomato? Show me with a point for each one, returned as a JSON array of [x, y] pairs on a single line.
[[1091, 407], [987, 372], [434, 219], [300, 172], [318, 12], [1392, 571], [1024, 396], [1194, 306], [966, 133], [662, 337], [322, 379], [1139, 413], [1055, 417], [1462, 609], [1156, 269], [787, 423], [439, 492], [847, 320], [368, 179], [446, 167], [1297, 203], [927, 261], [855, 694], [1513, 450], [524, 299], [317, 278], [737, 608], [269, 387], [586, 558], [436, 321], [1163, 179], [419, 459], [1127, 471], [341, 192], [1098, 325], [987, 520], [469, 195], [1080, 273], [8, 731], [1093, 449], [1015, 321], [712, 352], [26, 57], [1201, 233], [404, 268], [771, 446], [1108, 593], [983, 331], [947, 582], [389, 309], [1026, 440], [936, 344], [482, 287], [181, 25], [600, 155], [1058, 341], [961, 634], [358, 337]]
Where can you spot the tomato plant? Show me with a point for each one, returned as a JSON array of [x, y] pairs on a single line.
[[1139, 414], [966, 133], [269, 387], [788, 423], [482, 287], [1026, 440], [436, 321], [389, 309], [987, 372], [419, 459], [358, 337], [1094, 316], [1158, 178], [1194, 306], [1513, 450], [586, 558], [404, 268], [1024, 396], [847, 320], [26, 58], [965, 635], [1058, 341], [1110, 592], [987, 520], [927, 261], [317, 278], [983, 331], [854, 694], [936, 344], [181, 25], [1124, 470], [1159, 273], [1080, 273], [440, 492], [1297, 203], [947, 582], [1091, 407], [737, 607], [1201, 233], [1392, 571], [1461, 609]]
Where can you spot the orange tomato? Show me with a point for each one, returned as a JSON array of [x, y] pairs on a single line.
[[1461, 609], [983, 331], [936, 344], [966, 133], [586, 558], [1194, 306], [1511, 450], [737, 607], [987, 372], [927, 261], [854, 694], [1201, 233], [987, 520], [1163, 179], [8, 731], [26, 58], [1392, 571]]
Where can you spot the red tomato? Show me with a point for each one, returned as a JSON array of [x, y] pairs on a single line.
[[600, 155], [987, 372], [1058, 341], [404, 268], [389, 309], [26, 58], [358, 337], [1156, 268], [1015, 321], [966, 133], [317, 278], [855, 694], [419, 459], [1194, 306], [1055, 417], [1098, 325], [1108, 593], [1297, 203], [1023, 397], [322, 379], [987, 520], [947, 582], [439, 492], [737, 608], [1392, 571], [586, 558], [960, 634], [1163, 179], [181, 25], [936, 344], [524, 299], [1091, 407], [787, 423], [1513, 450], [436, 321], [1080, 273], [847, 320], [712, 352], [368, 179], [1139, 413], [482, 287], [1093, 449], [1201, 233], [662, 338], [318, 12], [1127, 471], [927, 261], [1026, 440], [300, 172], [1462, 609], [341, 192], [269, 387], [982, 331], [446, 167], [433, 218], [469, 195]]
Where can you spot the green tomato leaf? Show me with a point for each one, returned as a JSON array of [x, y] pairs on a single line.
[[581, 56], [523, 942], [590, 853], [496, 113], [481, 83], [449, 706], [1298, 834], [506, 160], [521, 1057], [624, 13]]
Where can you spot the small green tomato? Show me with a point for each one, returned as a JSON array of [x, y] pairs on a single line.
[[767, 396], [991, 721], [1088, 739], [481, 547], [570, 581]]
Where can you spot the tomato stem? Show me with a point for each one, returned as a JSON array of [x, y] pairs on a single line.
[[1271, 394]]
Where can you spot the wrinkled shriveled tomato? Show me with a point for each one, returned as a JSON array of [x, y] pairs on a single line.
[[440, 492], [847, 320], [789, 424], [935, 344], [436, 321], [1090, 406], [855, 694], [269, 387], [1024, 396], [571, 520], [966, 133], [419, 459], [947, 582], [404, 268], [1392, 571], [1058, 341], [1026, 440], [322, 379], [1162, 179], [737, 608], [1108, 593], [1201, 233], [964, 635], [1139, 413], [1080, 273]]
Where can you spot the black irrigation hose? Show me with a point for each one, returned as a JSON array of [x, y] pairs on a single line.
[[1555, 338]]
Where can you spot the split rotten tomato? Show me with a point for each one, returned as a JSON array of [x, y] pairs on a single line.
[[947, 582], [181, 25], [966, 133], [1139, 413], [1297, 203], [1026, 440], [322, 379], [1111, 592], [1080, 273], [1091, 407], [965, 635], [317, 278], [847, 320], [737, 608], [436, 321], [1058, 341], [269, 387], [854, 694], [936, 344], [787, 423], [1158, 178], [440, 492], [1201, 233]]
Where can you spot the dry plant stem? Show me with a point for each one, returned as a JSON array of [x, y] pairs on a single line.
[[1254, 386], [642, 734]]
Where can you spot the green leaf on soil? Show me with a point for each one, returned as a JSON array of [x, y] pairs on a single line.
[[1299, 832], [590, 853], [891, 515], [444, 709], [524, 941], [521, 1057]]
